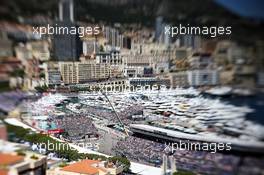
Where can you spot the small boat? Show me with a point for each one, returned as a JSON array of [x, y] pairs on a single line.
[[220, 91], [243, 92]]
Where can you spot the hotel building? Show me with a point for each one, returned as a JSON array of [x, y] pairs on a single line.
[[83, 72], [23, 163]]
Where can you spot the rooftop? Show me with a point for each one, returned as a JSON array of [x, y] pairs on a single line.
[[83, 167], [3, 172], [9, 159]]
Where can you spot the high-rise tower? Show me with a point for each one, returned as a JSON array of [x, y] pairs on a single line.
[[169, 165], [67, 46], [66, 12]]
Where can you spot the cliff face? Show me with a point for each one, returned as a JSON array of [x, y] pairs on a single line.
[[194, 12], [120, 10], [144, 11]]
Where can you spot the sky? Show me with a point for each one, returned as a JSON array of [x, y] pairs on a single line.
[[248, 8]]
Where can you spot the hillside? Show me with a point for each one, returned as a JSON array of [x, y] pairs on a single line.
[[194, 12]]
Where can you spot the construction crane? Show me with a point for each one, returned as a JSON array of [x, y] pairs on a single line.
[[117, 116]]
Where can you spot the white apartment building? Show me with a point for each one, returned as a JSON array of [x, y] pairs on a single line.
[[114, 37], [112, 57], [179, 79], [35, 49], [54, 77], [90, 47], [81, 72], [68, 72], [27, 163], [40, 50], [202, 77], [201, 61], [134, 64]]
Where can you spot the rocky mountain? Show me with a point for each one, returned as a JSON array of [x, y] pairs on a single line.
[[193, 12]]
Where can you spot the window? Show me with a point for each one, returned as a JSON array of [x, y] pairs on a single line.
[[205, 77]]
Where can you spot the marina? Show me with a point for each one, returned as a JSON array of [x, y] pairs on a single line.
[[173, 110]]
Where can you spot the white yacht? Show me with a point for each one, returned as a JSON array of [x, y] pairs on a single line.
[[220, 91]]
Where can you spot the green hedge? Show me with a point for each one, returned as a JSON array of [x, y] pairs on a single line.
[[183, 173], [69, 154]]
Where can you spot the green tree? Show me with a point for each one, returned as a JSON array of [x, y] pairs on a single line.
[[69, 154], [41, 89], [122, 160], [18, 73], [183, 173]]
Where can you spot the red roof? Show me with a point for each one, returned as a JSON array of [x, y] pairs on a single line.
[[83, 167], [3, 172], [9, 159]]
